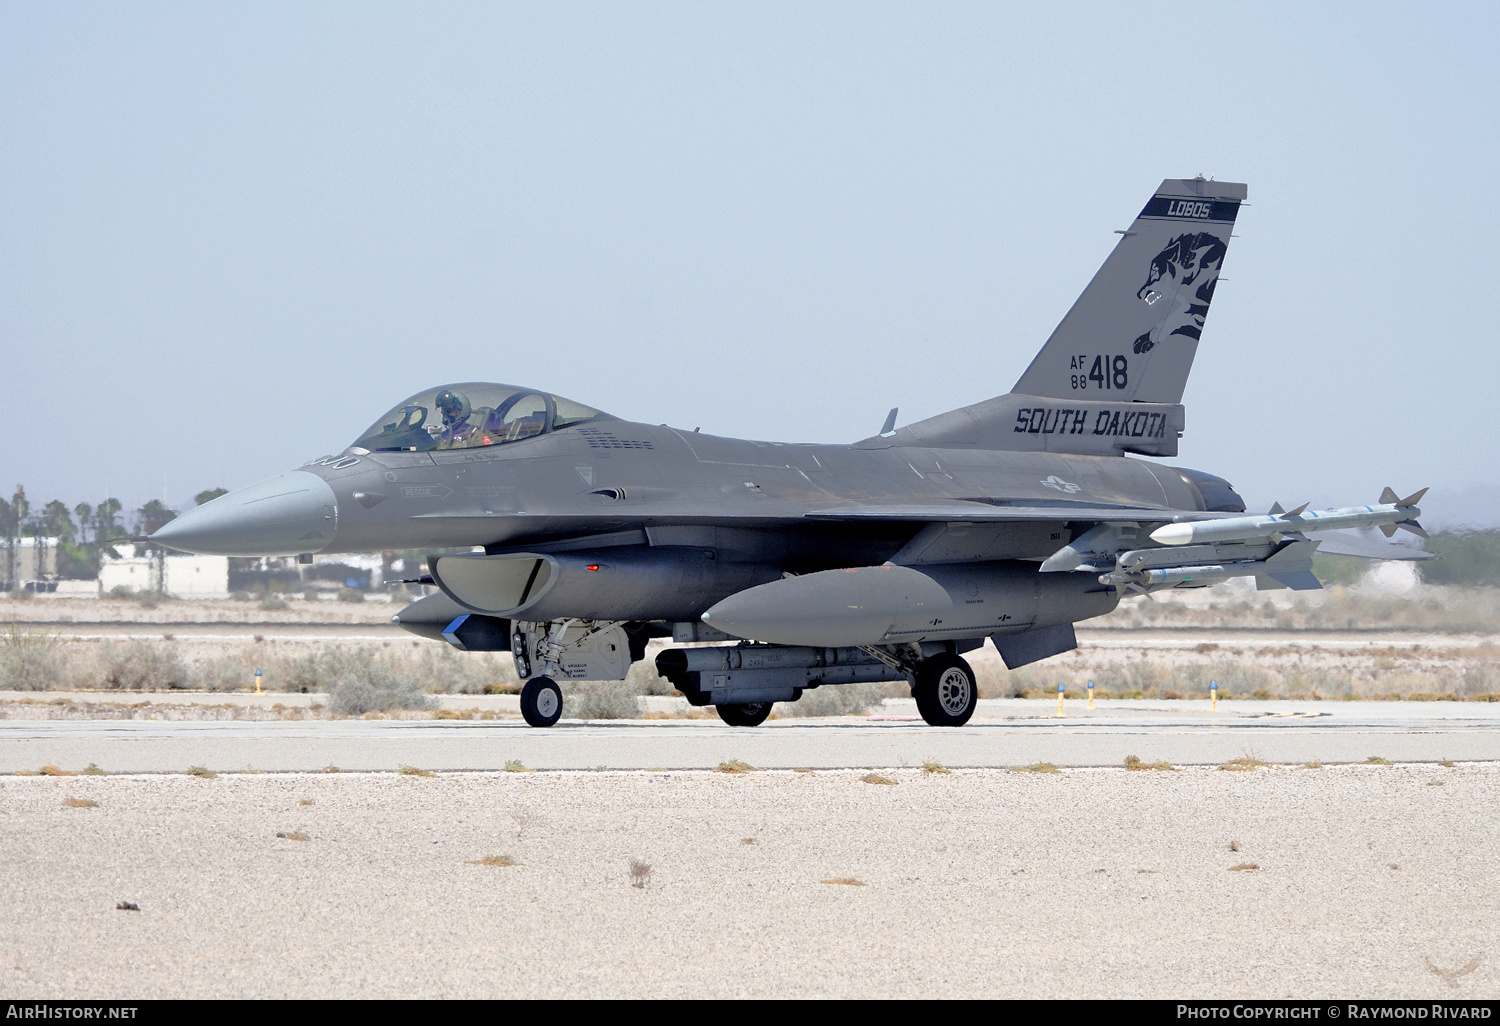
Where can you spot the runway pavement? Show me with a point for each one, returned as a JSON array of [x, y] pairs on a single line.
[[1007, 732]]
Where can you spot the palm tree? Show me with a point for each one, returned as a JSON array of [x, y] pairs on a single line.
[[107, 527], [85, 513]]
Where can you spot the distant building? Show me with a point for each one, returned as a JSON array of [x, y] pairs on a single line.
[[186, 576], [31, 560]]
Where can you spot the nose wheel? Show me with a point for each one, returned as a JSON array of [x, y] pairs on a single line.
[[946, 693], [541, 702]]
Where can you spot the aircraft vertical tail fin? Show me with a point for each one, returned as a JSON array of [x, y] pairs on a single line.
[[1132, 334], [1111, 376]]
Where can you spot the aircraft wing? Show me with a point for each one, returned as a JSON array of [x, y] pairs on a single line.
[[978, 511]]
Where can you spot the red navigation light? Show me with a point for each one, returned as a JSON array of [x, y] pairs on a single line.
[[592, 568]]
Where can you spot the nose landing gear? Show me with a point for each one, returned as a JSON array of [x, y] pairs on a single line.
[[541, 702]]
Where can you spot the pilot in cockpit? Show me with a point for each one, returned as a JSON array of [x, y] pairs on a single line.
[[460, 423]]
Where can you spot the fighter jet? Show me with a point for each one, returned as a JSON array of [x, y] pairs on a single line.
[[570, 537]]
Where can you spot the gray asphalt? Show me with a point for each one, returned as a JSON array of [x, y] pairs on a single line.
[[1015, 732]]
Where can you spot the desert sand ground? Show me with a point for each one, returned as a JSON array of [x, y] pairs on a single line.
[[1370, 881]]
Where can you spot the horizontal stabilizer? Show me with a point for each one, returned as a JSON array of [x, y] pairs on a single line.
[[1363, 544], [1030, 646]]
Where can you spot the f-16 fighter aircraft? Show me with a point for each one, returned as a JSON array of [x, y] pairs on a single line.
[[580, 535]]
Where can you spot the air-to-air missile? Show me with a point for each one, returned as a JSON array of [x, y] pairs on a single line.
[[1289, 566], [1392, 513]]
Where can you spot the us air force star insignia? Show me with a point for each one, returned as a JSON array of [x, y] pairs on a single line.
[[1053, 481]]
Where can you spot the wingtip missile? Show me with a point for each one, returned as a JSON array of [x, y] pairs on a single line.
[[1388, 516]]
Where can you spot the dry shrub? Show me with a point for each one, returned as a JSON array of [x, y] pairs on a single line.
[[601, 700], [31, 662], [225, 673], [876, 778], [80, 803], [142, 666], [445, 669], [843, 881], [358, 683], [734, 766], [644, 680], [1133, 762], [493, 860], [836, 700]]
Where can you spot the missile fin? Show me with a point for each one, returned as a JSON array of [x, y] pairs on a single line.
[[1412, 526], [1299, 510], [1388, 496], [1413, 498], [1389, 530], [1298, 580], [1275, 510]]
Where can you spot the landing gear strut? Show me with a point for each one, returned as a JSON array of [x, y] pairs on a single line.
[[748, 715], [945, 690], [541, 702]]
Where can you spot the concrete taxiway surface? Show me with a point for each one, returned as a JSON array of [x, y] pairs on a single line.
[[1351, 881], [1007, 732]]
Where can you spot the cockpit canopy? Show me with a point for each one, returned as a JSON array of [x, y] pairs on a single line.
[[472, 415]]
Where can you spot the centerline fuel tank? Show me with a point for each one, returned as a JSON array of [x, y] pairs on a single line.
[[891, 604]]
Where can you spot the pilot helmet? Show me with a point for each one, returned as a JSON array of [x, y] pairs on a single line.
[[453, 405]]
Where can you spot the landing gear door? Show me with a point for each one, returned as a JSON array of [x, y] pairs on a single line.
[[601, 656]]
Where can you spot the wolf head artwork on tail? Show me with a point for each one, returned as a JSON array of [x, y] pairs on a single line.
[[1110, 378], [1142, 316], [1183, 275]]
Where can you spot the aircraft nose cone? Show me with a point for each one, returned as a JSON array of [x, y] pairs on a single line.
[[284, 516]]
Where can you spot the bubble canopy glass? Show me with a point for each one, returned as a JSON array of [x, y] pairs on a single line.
[[472, 415]]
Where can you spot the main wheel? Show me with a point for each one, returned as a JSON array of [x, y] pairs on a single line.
[[750, 715], [541, 702], [946, 693]]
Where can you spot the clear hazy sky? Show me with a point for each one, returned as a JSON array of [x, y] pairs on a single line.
[[231, 235]]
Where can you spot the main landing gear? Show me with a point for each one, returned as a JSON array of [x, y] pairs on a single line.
[[749, 715], [945, 690]]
